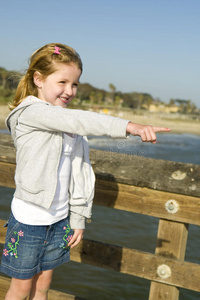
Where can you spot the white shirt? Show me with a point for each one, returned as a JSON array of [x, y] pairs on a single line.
[[31, 214]]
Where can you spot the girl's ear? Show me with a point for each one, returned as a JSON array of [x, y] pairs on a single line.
[[37, 78]]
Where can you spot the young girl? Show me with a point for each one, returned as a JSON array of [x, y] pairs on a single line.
[[54, 179]]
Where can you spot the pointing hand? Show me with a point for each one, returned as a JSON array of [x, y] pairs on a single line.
[[146, 132]]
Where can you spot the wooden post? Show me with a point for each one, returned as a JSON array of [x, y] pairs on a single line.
[[171, 243]]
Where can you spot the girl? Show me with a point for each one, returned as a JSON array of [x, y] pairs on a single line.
[[54, 179]]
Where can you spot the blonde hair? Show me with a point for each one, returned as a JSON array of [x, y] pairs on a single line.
[[43, 60]]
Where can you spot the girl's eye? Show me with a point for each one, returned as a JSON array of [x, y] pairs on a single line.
[[62, 82], [75, 84]]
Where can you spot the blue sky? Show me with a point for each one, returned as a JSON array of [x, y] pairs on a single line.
[[150, 46]]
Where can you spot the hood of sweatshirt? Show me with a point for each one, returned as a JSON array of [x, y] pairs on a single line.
[[12, 119]]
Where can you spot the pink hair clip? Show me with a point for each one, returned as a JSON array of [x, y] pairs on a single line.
[[57, 50]]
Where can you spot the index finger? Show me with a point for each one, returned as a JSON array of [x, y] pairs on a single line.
[[156, 129]]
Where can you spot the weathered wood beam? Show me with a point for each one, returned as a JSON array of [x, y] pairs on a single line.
[[181, 208], [7, 172], [171, 243], [137, 263], [2, 231], [162, 175], [7, 149]]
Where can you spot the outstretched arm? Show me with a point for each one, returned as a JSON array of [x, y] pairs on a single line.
[[146, 132]]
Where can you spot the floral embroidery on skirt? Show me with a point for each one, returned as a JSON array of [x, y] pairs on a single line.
[[66, 238], [12, 246]]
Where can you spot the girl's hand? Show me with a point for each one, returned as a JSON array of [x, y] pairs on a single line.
[[77, 237], [146, 132]]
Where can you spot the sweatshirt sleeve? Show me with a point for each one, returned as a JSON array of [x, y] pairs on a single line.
[[77, 221], [56, 118]]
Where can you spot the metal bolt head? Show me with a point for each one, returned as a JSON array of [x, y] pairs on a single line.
[[172, 206], [164, 271]]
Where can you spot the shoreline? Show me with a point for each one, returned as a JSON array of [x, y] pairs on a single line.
[[176, 126]]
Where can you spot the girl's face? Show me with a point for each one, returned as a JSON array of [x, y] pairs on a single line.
[[60, 87]]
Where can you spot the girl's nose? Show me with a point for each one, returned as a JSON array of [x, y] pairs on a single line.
[[68, 91]]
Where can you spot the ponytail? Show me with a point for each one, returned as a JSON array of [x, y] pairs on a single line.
[[24, 89]]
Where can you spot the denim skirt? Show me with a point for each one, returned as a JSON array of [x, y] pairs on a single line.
[[29, 249]]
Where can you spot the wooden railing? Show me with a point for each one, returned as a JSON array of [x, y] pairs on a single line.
[[167, 190]]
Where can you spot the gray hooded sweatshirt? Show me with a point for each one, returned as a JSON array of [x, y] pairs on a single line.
[[37, 130]]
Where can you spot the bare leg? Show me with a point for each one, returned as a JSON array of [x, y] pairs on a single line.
[[36, 287], [19, 289], [40, 286]]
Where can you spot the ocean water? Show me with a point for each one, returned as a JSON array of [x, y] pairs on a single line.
[[124, 228], [175, 147]]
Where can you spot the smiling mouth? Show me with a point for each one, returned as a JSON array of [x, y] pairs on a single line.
[[65, 100]]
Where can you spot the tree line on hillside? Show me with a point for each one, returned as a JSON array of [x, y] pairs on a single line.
[[8, 84], [98, 97]]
